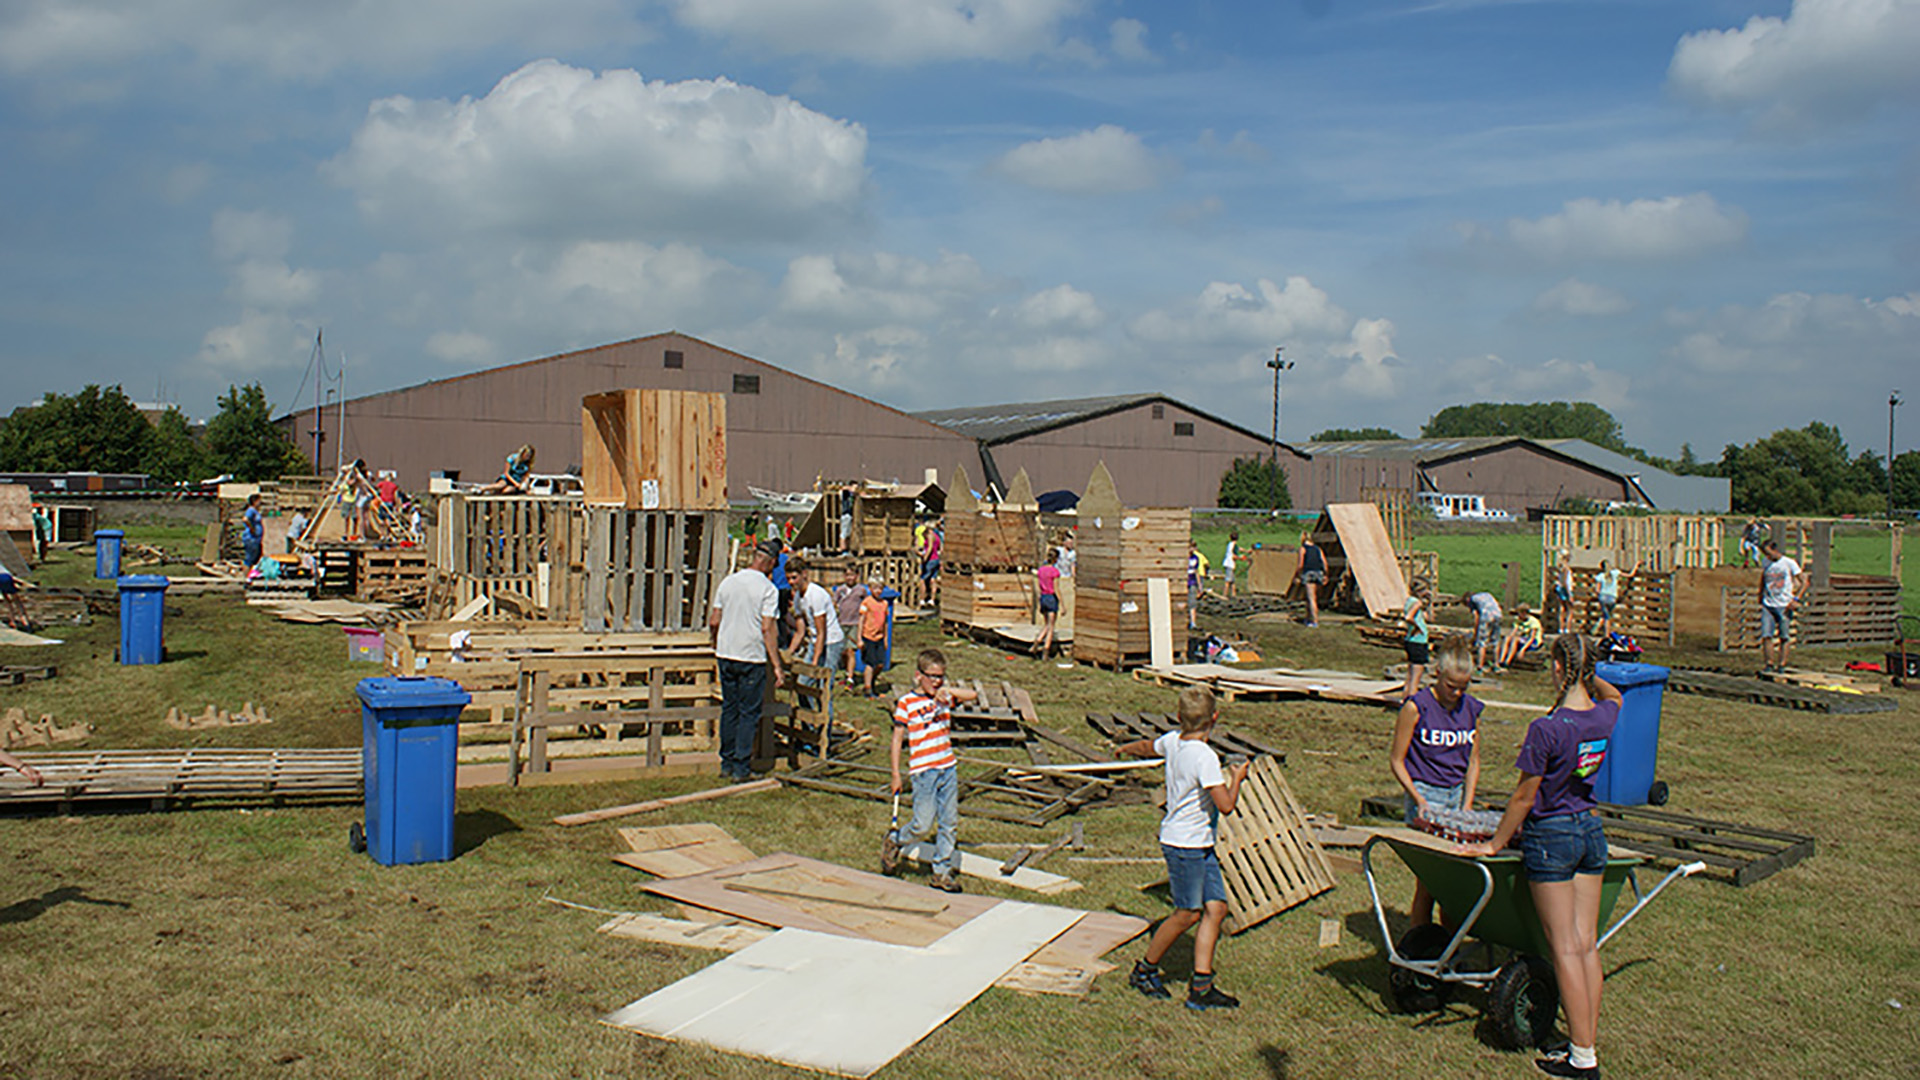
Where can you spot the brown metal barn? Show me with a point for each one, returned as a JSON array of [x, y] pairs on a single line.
[[783, 430], [1512, 473], [1160, 452]]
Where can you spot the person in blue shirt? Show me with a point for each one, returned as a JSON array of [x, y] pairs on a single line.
[[253, 532], [513, 480]]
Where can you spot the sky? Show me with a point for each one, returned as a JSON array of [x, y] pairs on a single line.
[[1703, 216]]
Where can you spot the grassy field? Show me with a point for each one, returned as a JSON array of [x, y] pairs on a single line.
[[240, 942]]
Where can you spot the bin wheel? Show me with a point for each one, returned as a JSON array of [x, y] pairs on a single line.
[[1413, 992], [1657, 793], [357, 837], [1523, 1002]]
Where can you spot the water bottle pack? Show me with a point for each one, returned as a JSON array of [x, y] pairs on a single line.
[[1458, 826]]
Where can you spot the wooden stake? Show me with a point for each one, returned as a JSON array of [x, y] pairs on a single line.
[[590, 816]]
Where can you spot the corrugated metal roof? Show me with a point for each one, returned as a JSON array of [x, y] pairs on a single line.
[[1664, 490], [1419, 450], [997, 423]]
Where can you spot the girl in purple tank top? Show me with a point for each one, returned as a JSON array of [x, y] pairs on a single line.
[[1563, 848], [1436, 749]]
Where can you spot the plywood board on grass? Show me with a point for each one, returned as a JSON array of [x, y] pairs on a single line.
[[679, 850], [1370, 557], [979, 866], [840, 1005]]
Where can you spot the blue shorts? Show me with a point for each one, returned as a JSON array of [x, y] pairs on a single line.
[[1776, 622], [1556, 848], [1561, 594], [1440, 798], [873, 654], [1193, 877], [930, 570], [1049, 603], [7, 586]]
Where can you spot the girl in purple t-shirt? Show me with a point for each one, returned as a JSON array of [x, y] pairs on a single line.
[[1563, 847], [1436, 749]]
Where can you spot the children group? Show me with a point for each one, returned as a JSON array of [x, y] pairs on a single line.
[[1434, 755]]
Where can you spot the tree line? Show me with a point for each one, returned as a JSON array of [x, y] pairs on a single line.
[[1805, 470], [100, 429]]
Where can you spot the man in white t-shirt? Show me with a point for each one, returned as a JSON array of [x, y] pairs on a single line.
[[825, 639], [1197, 794], [1780, 589], [745, 634]]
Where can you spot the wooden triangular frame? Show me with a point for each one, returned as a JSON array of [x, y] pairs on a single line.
[[1101, 503], [960, 498]]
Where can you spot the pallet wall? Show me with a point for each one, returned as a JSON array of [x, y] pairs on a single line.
[[526, 550], [1120, 549], [1853, 609], [651, 570], [988, 598]]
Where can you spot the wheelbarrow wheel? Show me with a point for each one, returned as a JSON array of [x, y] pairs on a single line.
[[356, 838], [1413, 992], [1523, 1002], [1657, 793]]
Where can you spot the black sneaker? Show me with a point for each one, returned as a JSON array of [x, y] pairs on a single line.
[[889, 855], [1147, 980], [1211, 998], [946, 883], [1564, 1066]]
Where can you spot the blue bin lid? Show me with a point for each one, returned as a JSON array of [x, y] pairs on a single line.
[[1624, 675], [889, 593], [408, 692], [137, 582], [98, 533]]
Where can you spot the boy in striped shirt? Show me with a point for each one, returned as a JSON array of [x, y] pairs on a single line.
[[920, 723]]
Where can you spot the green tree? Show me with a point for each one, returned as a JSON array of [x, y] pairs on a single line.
[[1803, 471], [242, 438], [1906, 481], [1341, 434], [1537, 420], [174, 454], [95, 430], [1252, 483]]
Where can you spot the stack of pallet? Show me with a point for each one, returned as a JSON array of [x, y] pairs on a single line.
[[522, 552], [1120, 551], [987, 558]]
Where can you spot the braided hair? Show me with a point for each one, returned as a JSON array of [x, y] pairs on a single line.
[[1576, 654]]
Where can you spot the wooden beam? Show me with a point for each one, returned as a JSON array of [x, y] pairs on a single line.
[[590, 816]]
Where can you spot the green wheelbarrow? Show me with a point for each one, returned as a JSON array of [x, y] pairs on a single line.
[[1490, 898]]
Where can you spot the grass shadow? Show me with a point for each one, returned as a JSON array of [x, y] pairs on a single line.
[[32, 908], [472, 828], [1278, 1062]]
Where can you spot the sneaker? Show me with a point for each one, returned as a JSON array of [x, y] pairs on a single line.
[[889, 855], [1560, 1066], [1148, 981], [946, 883], [1211, 998]]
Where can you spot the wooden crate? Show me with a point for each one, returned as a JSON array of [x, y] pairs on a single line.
[[673, 698], [651, 569], [883, 525], [987, 599], [1111, 629], [655, 449], [383, 574], [526, 550], [1120, 549], [979, 535]]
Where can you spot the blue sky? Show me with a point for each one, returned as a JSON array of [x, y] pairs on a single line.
[[1704, 216]]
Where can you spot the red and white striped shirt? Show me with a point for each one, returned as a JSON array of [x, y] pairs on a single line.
[[926, 721]]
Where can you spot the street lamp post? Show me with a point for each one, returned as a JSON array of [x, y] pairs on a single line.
[[1273, 462]]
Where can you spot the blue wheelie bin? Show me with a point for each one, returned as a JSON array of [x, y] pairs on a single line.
[[142, 610], [1625, 778], [409, 738], [106, 553]]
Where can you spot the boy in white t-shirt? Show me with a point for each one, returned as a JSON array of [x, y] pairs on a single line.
[[1197, 794]]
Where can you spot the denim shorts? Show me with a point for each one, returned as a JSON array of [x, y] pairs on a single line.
[[1417, 652], [1776, 621], [1485, 632], [1556, 848], [1193, 877], [1049, 603], [1440, 798]]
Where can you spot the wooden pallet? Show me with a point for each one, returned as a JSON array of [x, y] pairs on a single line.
[[1268, 854], [999, 716], [390, 573], [279, 592], [1745, 853], [163, 776], [1127, 727], [673, 698], [1778, 695], [14, 675], [652, 569], [1246, 604]]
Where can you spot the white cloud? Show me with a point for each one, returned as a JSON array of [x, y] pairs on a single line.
[[1644, 230], [462, 347], [1102, 161], [1062, 306], [1369, 348], [881, 287], [560, 153], [1576, 297], [270, 293], [1129, 40], [1803, 335], [1228, 313], [888, 32], [250, 234], [292, 40], [260, 341], [1494, 378], [1827, 60]]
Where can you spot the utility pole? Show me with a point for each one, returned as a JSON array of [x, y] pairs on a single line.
[[1893, 402], [1273, 462]]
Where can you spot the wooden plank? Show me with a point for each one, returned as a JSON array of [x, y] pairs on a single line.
[[590, 816], [1160, 621], [1370, 557], [677, 850]]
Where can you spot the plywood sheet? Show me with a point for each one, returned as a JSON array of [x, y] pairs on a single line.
[[979, 866], [1370, 557], [679, 850], [840, 1005], [709, 890], [1160, 621], [724, 936]]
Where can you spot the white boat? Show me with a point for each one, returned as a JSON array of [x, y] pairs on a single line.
[[1461, 507], [792, 502]]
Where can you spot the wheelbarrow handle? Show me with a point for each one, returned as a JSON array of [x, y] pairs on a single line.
[[1687, 870], [1440, 963]]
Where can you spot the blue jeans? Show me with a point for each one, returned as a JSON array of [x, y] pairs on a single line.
[[1556, 848], [250, 549], [936, 809], [743, 686], [1440, 798], [1193, 877]]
